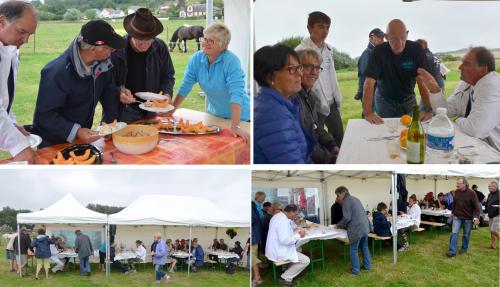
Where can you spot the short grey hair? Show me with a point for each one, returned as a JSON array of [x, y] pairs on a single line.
[[259, 193], [494, 183], [82, 44], [341, 189], [310, 52], [220, 31], [14, 9], [464, 179]]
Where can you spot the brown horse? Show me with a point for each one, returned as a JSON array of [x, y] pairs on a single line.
[[184, 33]]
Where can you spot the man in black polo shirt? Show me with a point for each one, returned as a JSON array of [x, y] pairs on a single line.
[[393, 67], [144, 65]]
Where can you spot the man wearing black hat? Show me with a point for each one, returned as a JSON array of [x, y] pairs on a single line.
[[144, 65], [375, 37], [73, 83]]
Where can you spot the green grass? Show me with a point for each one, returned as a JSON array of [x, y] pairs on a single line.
[[143, 277], [424, 265]]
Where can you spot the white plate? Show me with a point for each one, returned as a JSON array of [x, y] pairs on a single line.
[[168, 108], [148, 96], [34, 140], [110, 130]]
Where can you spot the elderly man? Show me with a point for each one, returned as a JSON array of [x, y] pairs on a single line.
[[144, 65], [83, 247], [326, 89], [73, 83], [259, 199], [393, 68], [281, 241], [465, 211], [476, 100], [18, 21], [492, 207], [159, 253], [375, 38], [357, 225], [325, 150]]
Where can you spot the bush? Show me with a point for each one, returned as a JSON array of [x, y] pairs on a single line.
[[90, 14], [343, 60], [72, 15], [291, 42], [48, 16], [448, 58]]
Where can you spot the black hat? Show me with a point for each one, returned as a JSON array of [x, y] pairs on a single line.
[[100, 33], [142, 24], [376, 32]]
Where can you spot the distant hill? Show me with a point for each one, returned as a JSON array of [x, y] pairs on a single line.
[[461, 52]]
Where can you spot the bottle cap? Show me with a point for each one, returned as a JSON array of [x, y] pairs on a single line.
[[441, 111]]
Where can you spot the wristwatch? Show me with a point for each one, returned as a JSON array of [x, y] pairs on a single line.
[[427, 109]]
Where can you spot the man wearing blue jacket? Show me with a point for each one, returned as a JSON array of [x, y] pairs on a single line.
[[73, 83]]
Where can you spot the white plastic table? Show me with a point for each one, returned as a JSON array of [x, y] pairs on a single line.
[[443, 212]]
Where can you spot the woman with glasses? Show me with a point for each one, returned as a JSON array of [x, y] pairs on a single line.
[[325, 150], [144, 65], [218, 72], [278, 135]]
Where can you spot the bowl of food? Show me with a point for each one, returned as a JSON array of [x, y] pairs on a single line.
[[136, 139]]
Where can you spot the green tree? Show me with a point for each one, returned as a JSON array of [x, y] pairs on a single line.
[[291, 42], [90, 14], [72, 14], [104, 208], [342, 60]]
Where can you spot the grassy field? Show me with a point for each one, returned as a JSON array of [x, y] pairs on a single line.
[[143, 277], [424, 265]]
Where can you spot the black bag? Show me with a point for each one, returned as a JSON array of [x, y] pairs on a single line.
[[231, 268]]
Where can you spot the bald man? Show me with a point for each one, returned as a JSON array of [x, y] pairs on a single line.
[[18, 21], [393, 68]]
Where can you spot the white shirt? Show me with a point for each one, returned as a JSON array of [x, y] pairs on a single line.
[[10, 245], [414, 212], [483, 121], [326, 89], [280, 244], [54, 253], [11, 139], [141, 253]]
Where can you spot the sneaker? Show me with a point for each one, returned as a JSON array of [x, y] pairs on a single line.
[[157, 282], [283, 282], [171, 270], [167, 278], [37, 278], [449, 254]]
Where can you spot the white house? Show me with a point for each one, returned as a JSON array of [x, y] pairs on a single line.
[[110, 13], [132, 9], [197, 10]]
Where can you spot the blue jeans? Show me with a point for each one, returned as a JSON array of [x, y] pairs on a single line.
[[248, 263], [457, 224], [353, 250], [386, 109], [84, 265], [159, 271]]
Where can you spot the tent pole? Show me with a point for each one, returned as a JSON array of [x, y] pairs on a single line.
[[217, 232], [107, 247], [209, 12], [189, 250], [435, 186], [19, 251], [394, 217], [324, 198]]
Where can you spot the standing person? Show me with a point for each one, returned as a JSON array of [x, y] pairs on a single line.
[[492, 208], [259, 199], [144, 65], [256, 241], [479, 194], [23, 247], [357, 225], [42, 252], [393, 69], [72, 84], [375, 38], [54, 255], [160, 258], [281, 241], [434, 61], [465, 211], [247, 251], [326, 89], [83, 247], [18, 21], [102, 255], [11, 255]]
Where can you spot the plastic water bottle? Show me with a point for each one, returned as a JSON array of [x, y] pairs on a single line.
[[440, 138]]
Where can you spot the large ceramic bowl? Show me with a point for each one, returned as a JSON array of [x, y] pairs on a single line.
[[136, 139]]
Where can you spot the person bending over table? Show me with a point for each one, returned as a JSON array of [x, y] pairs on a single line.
[[219, 73], [54, 252]]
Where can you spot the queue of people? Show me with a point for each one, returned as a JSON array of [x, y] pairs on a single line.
[[101, 66]]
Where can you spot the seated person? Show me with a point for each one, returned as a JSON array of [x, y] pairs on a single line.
[[414, 210], [183, 246], [176, 245], [442, 204], [197, 260], [222, 245], [140, 252], [238, 250], [170, 260], [382, 226], [54, 252], [113, 249], [215, 246]]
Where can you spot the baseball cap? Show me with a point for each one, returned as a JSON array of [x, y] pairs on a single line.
[[100, 33], [376, 32]]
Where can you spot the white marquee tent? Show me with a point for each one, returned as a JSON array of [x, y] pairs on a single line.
[[372, 185]]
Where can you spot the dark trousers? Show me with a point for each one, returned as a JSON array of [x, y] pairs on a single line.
[[333, 123]]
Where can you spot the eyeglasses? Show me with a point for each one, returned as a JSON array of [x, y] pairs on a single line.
[[292, 70], [310, 67], [209, 41]]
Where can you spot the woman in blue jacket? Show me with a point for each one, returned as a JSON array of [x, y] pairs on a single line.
[[278, 135], [42, 252]]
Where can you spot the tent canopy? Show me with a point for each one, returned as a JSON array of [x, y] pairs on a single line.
[[175, 210], [66, 210]]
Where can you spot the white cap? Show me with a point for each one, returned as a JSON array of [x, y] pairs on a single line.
[[441, 111]]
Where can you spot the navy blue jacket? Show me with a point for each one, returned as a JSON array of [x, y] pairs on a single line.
[[159, 76], [381, 226], [256, 226], [199, 255], [65, 99], [278, 135], [42, 246]]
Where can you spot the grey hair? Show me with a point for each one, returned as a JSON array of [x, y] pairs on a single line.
[[82, 44], [14, 9], [494, 183], [260, 193], [464, 179], [341, 189], [278, 206], [312, 53], [220, 31]]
